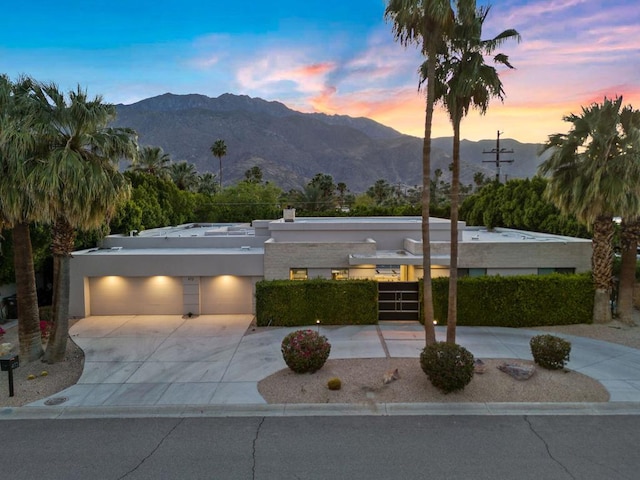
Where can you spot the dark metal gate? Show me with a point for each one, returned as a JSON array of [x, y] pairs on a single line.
[[398, 301]]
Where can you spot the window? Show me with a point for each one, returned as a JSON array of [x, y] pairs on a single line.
[[340, 274], [387, 272], [298, 274], [472, 272]]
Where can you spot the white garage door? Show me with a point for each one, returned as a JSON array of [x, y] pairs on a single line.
[[135, 295], [226, 294]]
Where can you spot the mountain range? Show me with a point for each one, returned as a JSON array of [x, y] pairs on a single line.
[[291, 147]]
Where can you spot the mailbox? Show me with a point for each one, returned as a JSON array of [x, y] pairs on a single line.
[[9, 362]]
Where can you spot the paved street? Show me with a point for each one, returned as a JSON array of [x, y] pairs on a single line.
[[281, 448]]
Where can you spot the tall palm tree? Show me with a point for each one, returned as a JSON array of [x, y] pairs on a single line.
[[425, 23], [463, 81], [79, 177], [184, 175], [629, 236], [594, 173], [18, 207], [219, 150], [152, 160]]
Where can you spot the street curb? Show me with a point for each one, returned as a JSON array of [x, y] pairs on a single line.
[[320, 410]]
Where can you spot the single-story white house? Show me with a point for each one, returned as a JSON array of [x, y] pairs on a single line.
[[213, 268]]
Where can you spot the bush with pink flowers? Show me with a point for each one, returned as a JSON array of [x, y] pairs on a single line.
[[305, 351]]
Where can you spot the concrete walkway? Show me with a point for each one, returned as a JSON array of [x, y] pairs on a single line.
[[208, 365]]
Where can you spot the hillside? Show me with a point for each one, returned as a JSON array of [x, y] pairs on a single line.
[[291, 147]]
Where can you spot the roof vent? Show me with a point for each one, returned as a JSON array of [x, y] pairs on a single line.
[[245, 247]]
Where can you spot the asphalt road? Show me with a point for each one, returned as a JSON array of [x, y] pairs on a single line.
[[398, 447]]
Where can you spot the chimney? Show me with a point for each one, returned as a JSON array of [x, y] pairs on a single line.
[[289, 214]]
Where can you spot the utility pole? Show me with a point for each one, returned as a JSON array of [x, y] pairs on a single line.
[[497, 151]]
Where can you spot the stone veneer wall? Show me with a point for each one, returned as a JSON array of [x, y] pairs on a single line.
[[280, 257]]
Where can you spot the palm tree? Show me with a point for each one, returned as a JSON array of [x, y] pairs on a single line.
[[342, 189], [629, 235], [184, 175], [253, 175], [207, 183], [219, 150], [594, 173], [18, 206], [425, 23], [152, 160], [79, 177], [463, 81]]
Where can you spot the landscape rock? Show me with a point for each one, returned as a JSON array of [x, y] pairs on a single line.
[[517, 371], [390, 376], [479, 366]]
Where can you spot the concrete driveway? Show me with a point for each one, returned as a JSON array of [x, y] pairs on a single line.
[[210, 360]]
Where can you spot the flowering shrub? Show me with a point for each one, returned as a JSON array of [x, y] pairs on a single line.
[[45, 329], [305, 351]]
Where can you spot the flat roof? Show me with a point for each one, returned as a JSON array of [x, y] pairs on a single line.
[[195, 230], [507, 235], [242, 250]]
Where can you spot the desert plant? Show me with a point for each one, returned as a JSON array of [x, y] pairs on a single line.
[[549, 351], [449, 366], [305, 351], [334, 384]]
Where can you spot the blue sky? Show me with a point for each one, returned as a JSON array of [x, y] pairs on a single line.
[[328, 56]]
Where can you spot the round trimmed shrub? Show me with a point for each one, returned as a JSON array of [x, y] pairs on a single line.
[[334, 384], [305, 351], [449, 366], [549, 351]]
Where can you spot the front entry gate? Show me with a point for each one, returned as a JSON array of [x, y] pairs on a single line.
[[398, 301]]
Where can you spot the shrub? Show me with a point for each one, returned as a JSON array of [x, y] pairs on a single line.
[[518, 301], [294, 303], [45, 313], [45, 330], [334, 384], [305, 351], [448, 366], [549, 351]]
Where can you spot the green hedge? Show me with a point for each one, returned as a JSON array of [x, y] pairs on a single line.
[[518, 301], [333, 302]]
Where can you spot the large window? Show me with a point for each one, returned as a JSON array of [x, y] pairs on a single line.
[[298, 274], [472, 272], [387, 272], [340, 274]]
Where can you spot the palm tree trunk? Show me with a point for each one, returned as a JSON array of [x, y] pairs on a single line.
[[629, 241], [63, 243], [602, 267], [452, 316], [27, 298], [428, 318]]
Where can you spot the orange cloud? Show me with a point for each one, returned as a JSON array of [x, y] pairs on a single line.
[[313, 70]]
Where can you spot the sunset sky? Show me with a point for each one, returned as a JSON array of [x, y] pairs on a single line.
[[332, 56]]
